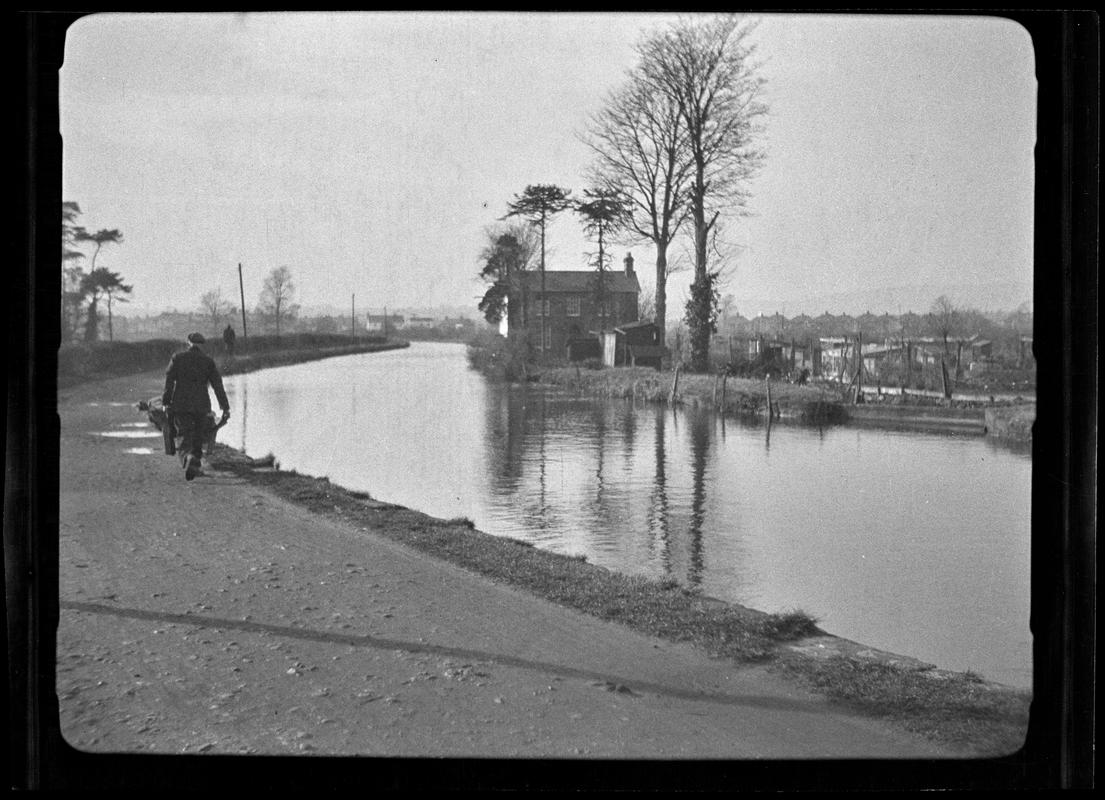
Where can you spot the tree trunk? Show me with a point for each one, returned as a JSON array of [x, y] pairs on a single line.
[[661, 291], [700, 333], [602, 285], [541, 299], [92, 324]]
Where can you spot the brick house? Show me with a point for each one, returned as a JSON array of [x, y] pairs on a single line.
[[571, 309]]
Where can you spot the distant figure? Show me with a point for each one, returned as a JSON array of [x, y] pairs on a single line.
[[803, 376], [228, 339], [187, 402]]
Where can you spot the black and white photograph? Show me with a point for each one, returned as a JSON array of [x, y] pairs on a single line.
[[548, 387]]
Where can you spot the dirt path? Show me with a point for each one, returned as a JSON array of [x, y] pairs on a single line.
[[214, 617]]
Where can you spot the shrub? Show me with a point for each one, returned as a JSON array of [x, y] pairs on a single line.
[[501, 358]]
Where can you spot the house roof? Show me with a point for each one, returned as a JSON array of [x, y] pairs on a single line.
[[642, 323], [583, 280]]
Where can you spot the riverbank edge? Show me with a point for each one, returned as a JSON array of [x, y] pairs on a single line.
[[239, 365], [961, 710], [250, 362], [748, 399]]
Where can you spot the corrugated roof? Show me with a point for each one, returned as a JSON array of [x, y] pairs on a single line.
[[580, 280]]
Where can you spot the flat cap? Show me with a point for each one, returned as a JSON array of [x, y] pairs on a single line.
[[196, 338]]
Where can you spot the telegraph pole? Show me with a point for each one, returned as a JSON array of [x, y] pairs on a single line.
[[242, 294]]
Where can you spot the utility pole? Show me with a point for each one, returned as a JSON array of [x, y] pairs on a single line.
[[242, 294]]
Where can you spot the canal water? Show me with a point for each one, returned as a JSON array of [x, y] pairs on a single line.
[[913, 543]]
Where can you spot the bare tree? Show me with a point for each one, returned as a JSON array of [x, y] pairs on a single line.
[[943, 319], [708, 72], [640, 145], [214, 307], [277, 293], [646, 305]]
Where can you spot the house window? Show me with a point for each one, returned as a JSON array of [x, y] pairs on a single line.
[[573, 307], [548, 338], [542, 309]]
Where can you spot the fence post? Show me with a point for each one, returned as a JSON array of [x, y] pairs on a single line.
[[674, 385]]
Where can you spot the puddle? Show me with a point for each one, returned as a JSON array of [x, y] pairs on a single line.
[[129, 434], [97, 405], [140, 451], [133, 425]]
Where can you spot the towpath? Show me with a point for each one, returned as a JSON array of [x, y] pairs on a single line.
[[214, 617]]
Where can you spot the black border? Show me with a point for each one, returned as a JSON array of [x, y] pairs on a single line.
[[1059, 749]]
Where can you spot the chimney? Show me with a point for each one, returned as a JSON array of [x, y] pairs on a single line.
[[629, 265]]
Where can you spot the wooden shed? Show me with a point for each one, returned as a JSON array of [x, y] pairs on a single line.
[[635, 343]]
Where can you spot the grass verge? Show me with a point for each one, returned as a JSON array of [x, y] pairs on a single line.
[[957, 709], [660, 608], [960, 711], [82, 362], [741, 397]]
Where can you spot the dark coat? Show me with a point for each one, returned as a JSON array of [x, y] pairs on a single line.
[[190, 373]]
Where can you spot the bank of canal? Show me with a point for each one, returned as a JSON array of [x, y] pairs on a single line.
[[909, 543]]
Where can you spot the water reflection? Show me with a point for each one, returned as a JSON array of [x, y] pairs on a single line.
[[700, 447], [243, 410], [886, 537], [659, 508], [575, 468]]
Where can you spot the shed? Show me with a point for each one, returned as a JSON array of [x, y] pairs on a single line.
[[640, 333], [647, 355], [635, 336]]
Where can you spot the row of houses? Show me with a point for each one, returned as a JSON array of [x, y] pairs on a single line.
[[393, 323], [839, 357], [569, 317], [803, 325]]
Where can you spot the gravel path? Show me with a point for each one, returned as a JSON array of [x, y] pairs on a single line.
[[214, 617]]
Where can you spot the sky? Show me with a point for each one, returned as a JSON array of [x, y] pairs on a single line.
[[370, 152]]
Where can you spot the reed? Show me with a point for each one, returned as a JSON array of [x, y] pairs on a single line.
[[742, 396]]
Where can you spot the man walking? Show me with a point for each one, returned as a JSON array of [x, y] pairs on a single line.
[[228, 339], [187, 401]]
